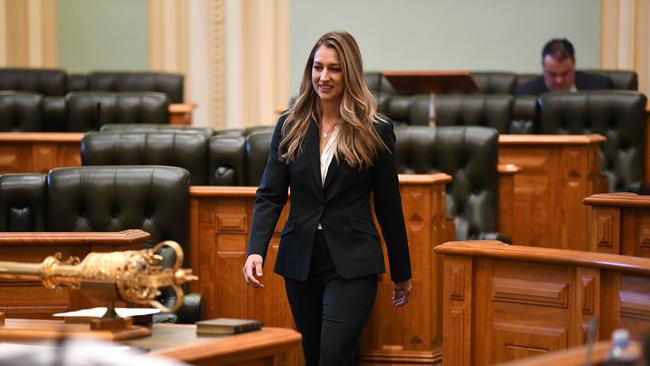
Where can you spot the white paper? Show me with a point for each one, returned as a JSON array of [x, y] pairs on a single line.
[[98, 312]]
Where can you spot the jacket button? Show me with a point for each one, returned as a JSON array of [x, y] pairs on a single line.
[[320, 208]]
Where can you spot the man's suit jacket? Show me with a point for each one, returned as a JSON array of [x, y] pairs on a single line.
[[341, 206], [584, 81]]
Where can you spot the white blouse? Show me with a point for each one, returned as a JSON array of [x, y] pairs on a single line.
[[328, 153]]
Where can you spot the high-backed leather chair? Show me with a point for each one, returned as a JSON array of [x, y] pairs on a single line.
[[495, 82], [48, 82], [491, 110], [469, 155], [170, 84], [180, 149], [618, 115], [21, 111], [155, 127], [525, 115], [227, 160], [88, 111], [22, 202], [377, 82], [622, 79], [115, 198], [243, 132], [523, 78], [236, 160]]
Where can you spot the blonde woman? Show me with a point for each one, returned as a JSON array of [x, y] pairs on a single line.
[[333, 151]]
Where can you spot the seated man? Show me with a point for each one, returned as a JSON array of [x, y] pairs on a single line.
[[559, 66]]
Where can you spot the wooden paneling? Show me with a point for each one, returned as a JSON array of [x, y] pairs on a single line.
[[29, 299], [620, 223], [27, 152], [527, 301], [219, 224], [557, 172]]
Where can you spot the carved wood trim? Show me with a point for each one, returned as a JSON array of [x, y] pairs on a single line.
[[635, 305], [527, 292]]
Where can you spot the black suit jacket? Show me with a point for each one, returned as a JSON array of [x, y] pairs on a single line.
[[341, 205], [584, 81]]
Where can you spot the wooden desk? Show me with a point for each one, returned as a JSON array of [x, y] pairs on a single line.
[[181, 113], [507, 302], [219, 222], [38, 152], [269, 346], [557, 172], [29, 299], [620, 223]]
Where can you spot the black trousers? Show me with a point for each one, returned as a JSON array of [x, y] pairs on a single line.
[[330, 311]]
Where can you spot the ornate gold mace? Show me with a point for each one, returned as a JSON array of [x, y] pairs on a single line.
[[134, 275]]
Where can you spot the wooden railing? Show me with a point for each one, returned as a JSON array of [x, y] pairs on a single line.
[[503, 303]]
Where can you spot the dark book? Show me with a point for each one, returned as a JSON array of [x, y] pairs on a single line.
[[227, 326]]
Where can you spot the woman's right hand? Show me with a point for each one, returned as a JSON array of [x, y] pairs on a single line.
[[253, 269]]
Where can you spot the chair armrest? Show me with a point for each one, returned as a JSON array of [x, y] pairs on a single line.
[[191, 310], [506, 198], [189, 313]]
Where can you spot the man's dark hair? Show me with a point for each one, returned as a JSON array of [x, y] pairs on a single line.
[[559, 49]]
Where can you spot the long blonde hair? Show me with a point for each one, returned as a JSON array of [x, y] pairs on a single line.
[[358, 141]]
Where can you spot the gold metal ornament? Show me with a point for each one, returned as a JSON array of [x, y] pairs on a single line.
[[135, 275]]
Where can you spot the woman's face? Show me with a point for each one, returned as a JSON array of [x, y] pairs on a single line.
[[326, 75]]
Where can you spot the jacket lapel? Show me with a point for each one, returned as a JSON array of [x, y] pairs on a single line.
[[313, 152], [331, 170]]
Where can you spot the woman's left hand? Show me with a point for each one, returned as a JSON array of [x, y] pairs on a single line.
[[401, 293]]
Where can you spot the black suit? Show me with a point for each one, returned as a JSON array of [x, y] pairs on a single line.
[[331, 275], [584, 81]]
